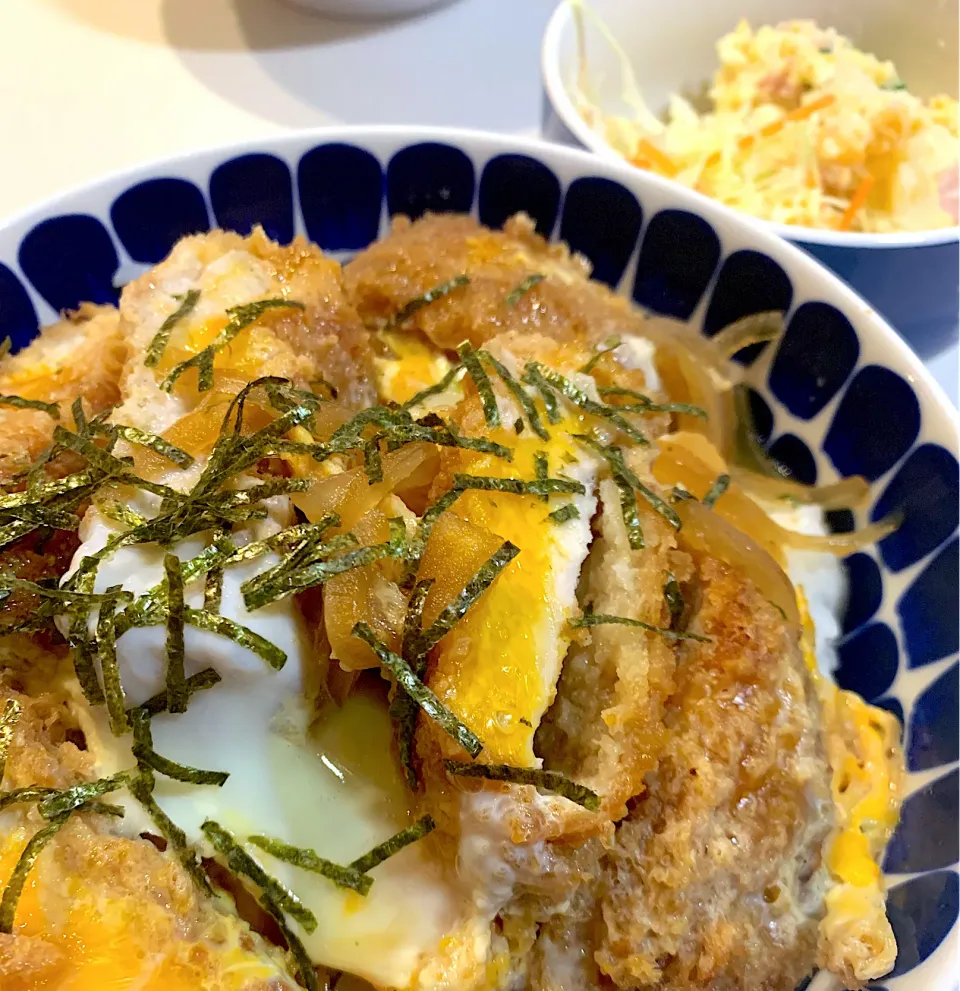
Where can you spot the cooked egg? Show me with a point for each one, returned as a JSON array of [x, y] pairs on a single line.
[[335, 788]]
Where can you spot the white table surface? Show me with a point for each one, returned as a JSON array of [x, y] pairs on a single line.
[[88, 86]]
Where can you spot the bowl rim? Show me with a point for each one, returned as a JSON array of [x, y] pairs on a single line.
[[561, 21], [295, 143]]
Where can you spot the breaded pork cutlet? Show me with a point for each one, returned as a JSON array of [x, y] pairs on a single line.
[[707, 865]]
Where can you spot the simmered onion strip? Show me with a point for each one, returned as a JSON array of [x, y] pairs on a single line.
[[706, 531], [751, 329]]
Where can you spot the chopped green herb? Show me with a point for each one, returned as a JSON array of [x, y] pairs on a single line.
[[431, 295], [470, 361], [564, 514], [588, 620], [176, 689], [519, 394], [716, 491], [550, 781], [240, 862], [107, 655], [18, 402], [241, 317], [605, 348], [523, 288], [893, 84], [159, 343], [395, 844], [418, 691], [8, 723], [11, 893], [309, 860], [673, 597]]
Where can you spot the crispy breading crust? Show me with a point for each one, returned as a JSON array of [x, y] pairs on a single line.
[[80, 355], [716, 880]]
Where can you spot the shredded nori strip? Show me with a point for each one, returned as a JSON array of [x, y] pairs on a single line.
[[159, 343], [176, 651], [68, 596], [680, 494], [8, 723], [518, 486], [519, 394], [198, 682], [14, 887], [213, 585], [403, 708], [547, 380], [541, 469], [716, 490], [70, 798], [18, 402], [107, 655], [372, 462], [240, 862], [590, 619], [431, 295], [523, 288], [78, 636], [32, 793], [550, 404], [241, 635], [605, 348], [145, 754], [491, 411], [550, 781], [395, 844], [438, 388], [310, 860], [419, 692], [306, 973], [40, 515], [673, 597], [180, 457], [241, 317], [564, 514], [645, 404], [478, 584]]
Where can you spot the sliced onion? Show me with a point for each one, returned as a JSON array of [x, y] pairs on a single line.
[[751, 329], [708, 532]]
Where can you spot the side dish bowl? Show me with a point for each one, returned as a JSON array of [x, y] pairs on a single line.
[[840, 394], [911, 278]]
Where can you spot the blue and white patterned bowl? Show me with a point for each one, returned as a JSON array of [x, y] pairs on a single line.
[[843, 394]]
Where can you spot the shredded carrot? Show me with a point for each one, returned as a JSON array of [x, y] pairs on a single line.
[[649, 152], [768, 130], [857, 202]]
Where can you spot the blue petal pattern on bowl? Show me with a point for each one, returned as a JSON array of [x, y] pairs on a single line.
[[830, 397], [152, 216], [254, 189]]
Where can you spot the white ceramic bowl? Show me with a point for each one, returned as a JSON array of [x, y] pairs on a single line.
[[911, 278], [840, 394], [367, 10]]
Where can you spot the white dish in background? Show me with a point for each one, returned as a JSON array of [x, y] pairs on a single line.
[[367, 10], [911, 278]]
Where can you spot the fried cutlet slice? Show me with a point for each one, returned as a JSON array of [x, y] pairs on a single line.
[[108, 910], [319, 340], [80, 355], [717, 879], [416, 257]]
